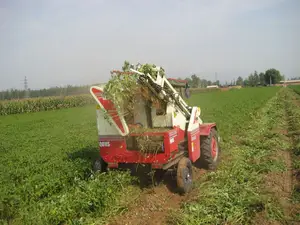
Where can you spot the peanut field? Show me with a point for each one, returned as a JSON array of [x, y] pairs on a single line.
[[46, 163]]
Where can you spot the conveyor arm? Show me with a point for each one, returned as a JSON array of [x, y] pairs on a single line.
[[162, 88]]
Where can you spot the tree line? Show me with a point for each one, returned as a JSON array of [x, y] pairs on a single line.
[[46, 92], [270, 76], [195, 82]]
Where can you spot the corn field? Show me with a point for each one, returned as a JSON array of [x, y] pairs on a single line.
[[43, 104]]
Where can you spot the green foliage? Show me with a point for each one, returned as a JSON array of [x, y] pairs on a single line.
[[234, 194], [43, 104], [262, 79], [151, 69], [239, 81], [46, 159], [296, 88], [126, 66], [273, 75], [122, 89], [196, 82], [45, 166], [253, 79], [231, 109]]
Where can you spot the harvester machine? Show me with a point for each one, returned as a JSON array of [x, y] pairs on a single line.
[[170, 137]]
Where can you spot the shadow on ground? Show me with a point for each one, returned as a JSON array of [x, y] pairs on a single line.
[[146, 178], [88, 154]]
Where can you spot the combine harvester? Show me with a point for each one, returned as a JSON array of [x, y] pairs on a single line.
[[174, 135]]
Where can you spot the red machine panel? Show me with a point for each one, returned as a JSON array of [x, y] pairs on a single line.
[[113, 149], [194, 144], [205, 128]]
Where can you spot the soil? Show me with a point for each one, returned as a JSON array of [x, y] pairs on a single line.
[[295, 210], [281, 183], [156, 203]]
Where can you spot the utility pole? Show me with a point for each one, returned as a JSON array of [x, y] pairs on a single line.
[[26, 88], [270, 81]]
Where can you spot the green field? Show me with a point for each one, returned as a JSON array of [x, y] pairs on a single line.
[[46, 160], [296, 88], [43, 104]]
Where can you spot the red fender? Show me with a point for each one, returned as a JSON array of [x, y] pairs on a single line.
[[205, 128]]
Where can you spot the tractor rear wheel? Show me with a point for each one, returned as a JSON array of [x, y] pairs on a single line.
[[99, 165], [210, 150], [184, 175]]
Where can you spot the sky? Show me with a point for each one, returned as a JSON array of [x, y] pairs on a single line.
[[60, 42]]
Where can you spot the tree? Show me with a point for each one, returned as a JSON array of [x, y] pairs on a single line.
[[255, 78], [273, 76], [251, 80], [204, 83], [239, 81], [195, 81], [262, 78], [216, 83], [295, 78], [246, 82]]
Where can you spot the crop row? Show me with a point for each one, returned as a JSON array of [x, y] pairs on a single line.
[[296, 88], [293, 111], [20, 106], [46, 160], [230, 194], [43, 104]]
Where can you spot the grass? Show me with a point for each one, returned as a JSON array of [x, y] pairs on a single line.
[[293, 110], [231, 109], [296, 88], [46, 160], [235, 193]]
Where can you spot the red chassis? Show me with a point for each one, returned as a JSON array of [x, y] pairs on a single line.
[[114, 148]]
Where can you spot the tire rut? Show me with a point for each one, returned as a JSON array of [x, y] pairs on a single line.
[[291, 180], [156, 203]]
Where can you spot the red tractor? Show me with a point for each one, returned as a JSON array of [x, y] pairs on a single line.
[[176, 136]]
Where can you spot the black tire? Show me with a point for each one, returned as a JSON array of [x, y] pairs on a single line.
[[184, 175], [99, 165], [209, 159]]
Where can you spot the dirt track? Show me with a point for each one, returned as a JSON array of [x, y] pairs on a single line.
[[156, 203]]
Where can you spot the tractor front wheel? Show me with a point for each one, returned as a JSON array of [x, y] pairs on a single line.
[[184, 175], [210, 150]]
